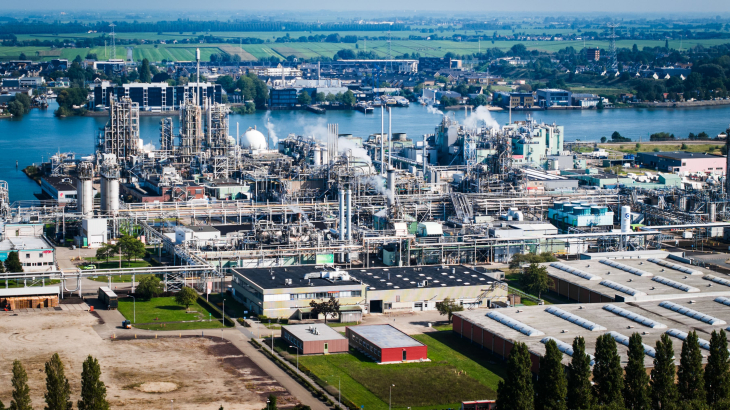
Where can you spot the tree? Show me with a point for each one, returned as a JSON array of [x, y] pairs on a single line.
[[12, 263], [607, 372], [106, 251], [320, 97], [270, 402], [186, 297], [448, 307], [516, 392], [636, 381], [93, 390], [579, 378], [691, 383], [348, 98], [717, 371], [304, 98], [58, 391], [21, 391], [663, 389], [603, 139], [327, 308], [535, 279], [131, 247], [22, 56], [149, 287], [552, 387]]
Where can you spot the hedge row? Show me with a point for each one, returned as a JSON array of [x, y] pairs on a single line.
[[227, 320]]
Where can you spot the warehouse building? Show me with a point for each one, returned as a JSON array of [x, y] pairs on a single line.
[[155, 96], [35, 252], [286, 292], [386, 344], [682, 162], [645, 276], [315, 339], [498, 330]]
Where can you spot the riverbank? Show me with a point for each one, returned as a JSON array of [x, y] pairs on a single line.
[[683, 104]]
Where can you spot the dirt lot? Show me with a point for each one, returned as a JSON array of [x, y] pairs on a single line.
[[196, 373]]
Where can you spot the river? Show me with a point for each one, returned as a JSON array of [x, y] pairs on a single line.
[[39, 135]]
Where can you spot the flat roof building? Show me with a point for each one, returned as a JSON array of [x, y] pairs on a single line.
[[386, 344], [286, 292], [680, 161], [498, 330], [315, 339], [643, 277]]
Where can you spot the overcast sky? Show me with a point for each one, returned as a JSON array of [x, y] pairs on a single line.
[[662, 7]]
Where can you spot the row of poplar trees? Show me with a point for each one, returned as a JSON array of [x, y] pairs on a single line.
[[58, 391], [668, 387]]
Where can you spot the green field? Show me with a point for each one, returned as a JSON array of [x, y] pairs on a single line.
[[426, 48], [630, 147], [457, 371], [165, 309]]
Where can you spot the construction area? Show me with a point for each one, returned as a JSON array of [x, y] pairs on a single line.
[[136, 368]]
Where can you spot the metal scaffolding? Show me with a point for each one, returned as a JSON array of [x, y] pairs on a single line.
[[120, 136]]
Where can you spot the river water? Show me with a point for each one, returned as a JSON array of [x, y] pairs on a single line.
[[39, 134]]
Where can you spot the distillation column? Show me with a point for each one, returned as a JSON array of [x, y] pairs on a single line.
[[349, 216], [85, 190]]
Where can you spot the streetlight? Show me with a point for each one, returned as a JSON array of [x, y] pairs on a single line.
[[390, 395], [297, 355], [134, 307], [267, 404], [339, 393]]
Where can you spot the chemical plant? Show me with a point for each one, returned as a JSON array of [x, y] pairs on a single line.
[[218, 201]]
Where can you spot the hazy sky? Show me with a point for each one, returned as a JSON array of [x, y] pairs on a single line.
[[663, 7]]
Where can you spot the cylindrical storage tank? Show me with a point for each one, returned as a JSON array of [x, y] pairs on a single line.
[[102, 190], [579, 210], [625, 219], [317, 156], [568, 208], [113, 196], [713, 212], [342, 215], [399, 136], [683, 203], [325, 155], [88, 202], [595, 210], [349, 216], [558, 206]]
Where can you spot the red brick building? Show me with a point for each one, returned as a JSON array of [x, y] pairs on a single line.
[[315, 339], [386, 344]]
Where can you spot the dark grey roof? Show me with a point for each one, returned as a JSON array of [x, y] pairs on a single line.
[[385, 336], [226, 229], [273, 278], [420, 276], [61, 183]]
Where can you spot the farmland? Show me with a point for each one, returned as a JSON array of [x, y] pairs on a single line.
[[249, 52]]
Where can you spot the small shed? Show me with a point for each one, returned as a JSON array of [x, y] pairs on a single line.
[[315, 339]]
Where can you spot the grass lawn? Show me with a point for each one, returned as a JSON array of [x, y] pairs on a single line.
[[438, 383], [630, 147], [12, 283], [213, 324], [233, 307], [166, 310], [342, 324], [119, 278]]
